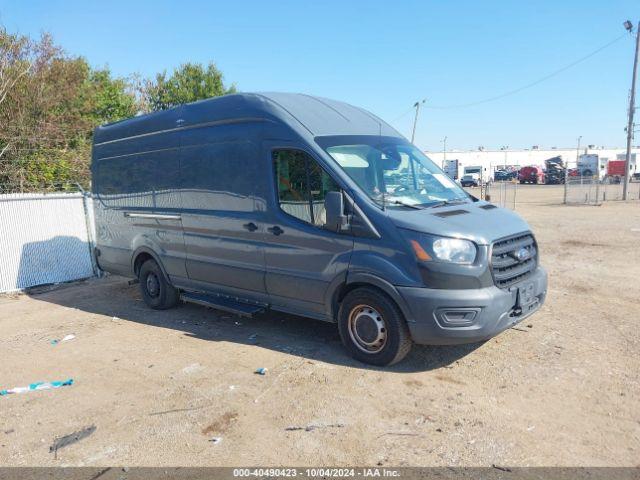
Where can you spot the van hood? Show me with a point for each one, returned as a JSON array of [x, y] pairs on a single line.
[[480, 222]]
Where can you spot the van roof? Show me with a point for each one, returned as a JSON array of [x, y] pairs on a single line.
[[319, 116]]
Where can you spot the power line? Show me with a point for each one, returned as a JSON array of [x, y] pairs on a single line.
[[524, 87], [410, 109], [534, 83]]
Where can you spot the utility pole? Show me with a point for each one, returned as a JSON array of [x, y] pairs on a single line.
[[444, 148], [632, 107], [415, 119]]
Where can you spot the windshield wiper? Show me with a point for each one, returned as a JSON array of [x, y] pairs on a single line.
[[398, 202], [444, 203]]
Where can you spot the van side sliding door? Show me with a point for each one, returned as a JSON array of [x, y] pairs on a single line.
[[220, 181]]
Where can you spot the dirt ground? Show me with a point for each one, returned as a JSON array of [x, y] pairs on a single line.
[[560, 389]]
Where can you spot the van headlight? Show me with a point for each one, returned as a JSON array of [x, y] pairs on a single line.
[[454, 250], [443, 249]]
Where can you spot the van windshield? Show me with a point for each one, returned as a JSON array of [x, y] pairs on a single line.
[[392, 171]]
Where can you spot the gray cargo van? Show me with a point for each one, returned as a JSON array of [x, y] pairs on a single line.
[[310, 206]]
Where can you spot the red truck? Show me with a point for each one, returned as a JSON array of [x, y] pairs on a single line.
[[615, 170], [531, 174]]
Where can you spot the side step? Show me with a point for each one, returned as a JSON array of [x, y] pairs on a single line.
[[223, 303]]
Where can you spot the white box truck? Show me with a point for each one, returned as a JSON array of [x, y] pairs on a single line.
[[450, 167], [591, 165]]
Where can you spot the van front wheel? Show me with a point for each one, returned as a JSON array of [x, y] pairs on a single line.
[[372, 327], [156, 291]]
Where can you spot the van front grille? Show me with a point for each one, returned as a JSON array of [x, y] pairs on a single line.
[[513, 259]]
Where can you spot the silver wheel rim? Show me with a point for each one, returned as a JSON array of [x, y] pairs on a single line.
[[367, 329]]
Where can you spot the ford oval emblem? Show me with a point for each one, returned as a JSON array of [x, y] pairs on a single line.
[[522, 254]]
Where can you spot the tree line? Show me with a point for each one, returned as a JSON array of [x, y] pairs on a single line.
[[50, 102]]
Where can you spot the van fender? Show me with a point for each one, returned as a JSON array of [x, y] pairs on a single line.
[[366, 279], [150, 251]]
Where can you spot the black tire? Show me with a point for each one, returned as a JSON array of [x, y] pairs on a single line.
[[379, 313], [156, 291]]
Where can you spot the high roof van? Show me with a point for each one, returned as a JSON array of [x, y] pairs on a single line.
[[300, 204]]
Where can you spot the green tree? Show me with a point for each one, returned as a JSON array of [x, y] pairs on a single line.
[[188, 83], [109, 98], [49, 104]]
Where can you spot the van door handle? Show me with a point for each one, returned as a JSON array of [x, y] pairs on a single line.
[[276, 230], [252, 227]]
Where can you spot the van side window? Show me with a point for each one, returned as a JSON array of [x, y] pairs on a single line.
[[302, 185], [145, 180]]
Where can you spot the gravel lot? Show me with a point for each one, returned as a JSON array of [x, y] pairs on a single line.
[[560, 389]]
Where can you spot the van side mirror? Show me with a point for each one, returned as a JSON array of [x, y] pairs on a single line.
[[334, 209]]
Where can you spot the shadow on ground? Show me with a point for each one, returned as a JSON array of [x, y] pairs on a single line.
[[311, 339]]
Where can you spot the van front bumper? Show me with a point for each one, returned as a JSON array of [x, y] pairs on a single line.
[[449, 317]]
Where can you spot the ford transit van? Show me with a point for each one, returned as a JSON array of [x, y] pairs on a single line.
[[299, 204]]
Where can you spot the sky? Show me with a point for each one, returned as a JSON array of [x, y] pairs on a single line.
[[383, 56]]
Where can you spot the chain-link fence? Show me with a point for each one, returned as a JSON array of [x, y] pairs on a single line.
[[45, 238], [504, 194], [581, 190], [577, 191], [595, 191], [594, 179]]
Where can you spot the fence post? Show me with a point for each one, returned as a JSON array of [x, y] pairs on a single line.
[[87, 222]]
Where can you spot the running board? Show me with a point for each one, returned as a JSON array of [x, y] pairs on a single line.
[[225, 304]]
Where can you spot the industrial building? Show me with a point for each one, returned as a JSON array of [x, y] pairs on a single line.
[[491, 160]]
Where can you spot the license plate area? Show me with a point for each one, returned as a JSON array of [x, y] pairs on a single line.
[[526, 301], [526, 295]]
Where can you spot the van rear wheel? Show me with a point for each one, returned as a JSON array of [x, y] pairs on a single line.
[[372, 327], [156, 291]]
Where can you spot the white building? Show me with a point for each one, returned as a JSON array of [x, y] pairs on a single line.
[[492, 160]]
